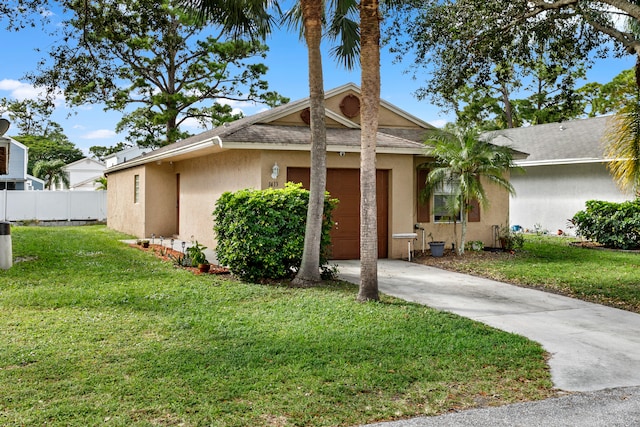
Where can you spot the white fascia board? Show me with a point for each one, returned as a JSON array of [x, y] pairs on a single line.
[[151, 157], [559, 162], [341, 119]]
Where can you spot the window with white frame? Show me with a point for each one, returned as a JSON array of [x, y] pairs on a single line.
[[444, 202], [136, 189]]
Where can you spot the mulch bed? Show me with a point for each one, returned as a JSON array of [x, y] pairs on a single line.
[[168, 254], [451, 261]]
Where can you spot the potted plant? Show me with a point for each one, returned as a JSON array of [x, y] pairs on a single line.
[[436, 247], [197, 256]]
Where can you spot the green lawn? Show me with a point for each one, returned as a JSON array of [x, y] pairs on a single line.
[[93, 332], [551, 263]]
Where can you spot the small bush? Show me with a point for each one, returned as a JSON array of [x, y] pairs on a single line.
[[261, 232], [510, 240], [614, 225]]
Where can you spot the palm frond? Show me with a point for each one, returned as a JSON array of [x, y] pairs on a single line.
[[622, 147]]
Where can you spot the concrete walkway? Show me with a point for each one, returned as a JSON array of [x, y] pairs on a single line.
[[595, 350], [592, 347]]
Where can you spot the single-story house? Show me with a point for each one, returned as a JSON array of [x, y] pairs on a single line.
[[172, 191], [16, 177], [565, 168]]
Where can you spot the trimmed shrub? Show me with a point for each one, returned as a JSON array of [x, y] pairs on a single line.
[[614, 225], [261, 232]]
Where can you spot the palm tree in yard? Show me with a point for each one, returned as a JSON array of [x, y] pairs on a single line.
[[311, 13], [102, 183], [622, 136], [463, 162], [370, 86], [622, 139], [52, 172]]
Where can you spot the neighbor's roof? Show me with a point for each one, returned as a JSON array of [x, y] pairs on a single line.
[[256, 132], [575, 141]]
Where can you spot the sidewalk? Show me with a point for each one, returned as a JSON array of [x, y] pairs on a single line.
[[592, 347]]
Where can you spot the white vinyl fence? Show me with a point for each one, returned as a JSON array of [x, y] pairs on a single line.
[[29, 205]]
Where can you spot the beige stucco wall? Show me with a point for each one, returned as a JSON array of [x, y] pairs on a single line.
[[123, 214], [203, 180], [496, 213], [160, 199], [401, 181]]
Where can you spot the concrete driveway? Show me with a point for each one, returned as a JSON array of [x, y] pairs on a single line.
[[592, 347]]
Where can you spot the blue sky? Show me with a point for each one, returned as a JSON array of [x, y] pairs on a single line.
[[287, 61]]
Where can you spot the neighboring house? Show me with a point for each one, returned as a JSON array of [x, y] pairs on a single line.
[[17, 177], [172, 191], [124, 155], [565, 168], [83, 174]]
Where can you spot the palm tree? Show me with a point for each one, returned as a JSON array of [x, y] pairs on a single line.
[[52, 172], [313, 18], [622, 147], [462, 162], [622, 136], [102, 183], [370, 86], [238, 18]]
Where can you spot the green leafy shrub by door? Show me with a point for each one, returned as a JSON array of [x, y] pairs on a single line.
[[261, 232], [614, 225]]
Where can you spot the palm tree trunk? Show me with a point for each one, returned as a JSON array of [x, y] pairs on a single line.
[[370, 71], [309, 273], [464, 210]]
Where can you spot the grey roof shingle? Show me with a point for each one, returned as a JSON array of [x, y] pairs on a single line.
[[301, 135], [574, 141]]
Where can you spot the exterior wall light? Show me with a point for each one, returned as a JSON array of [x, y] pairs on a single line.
[[275, 171]]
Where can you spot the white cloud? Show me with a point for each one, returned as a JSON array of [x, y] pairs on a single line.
[[192, 123], [438, 123], [18, 90], [21, 91], [99, 134], [237, 107]]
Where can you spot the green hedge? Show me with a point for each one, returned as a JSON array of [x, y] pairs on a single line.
[[261, 232], [614, 225]]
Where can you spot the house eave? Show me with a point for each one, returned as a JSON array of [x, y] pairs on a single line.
[[307, 147], [173, 154], [555, 162]]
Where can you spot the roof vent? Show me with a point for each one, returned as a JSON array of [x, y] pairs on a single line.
[[350, 106]]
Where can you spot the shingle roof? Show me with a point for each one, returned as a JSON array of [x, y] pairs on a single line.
[[301, 135], [575, 141], [258, 131]]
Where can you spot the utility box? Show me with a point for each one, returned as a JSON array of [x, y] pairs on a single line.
[[6, 251]]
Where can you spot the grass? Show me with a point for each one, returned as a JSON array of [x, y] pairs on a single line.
[[552, 264], [93, 332]]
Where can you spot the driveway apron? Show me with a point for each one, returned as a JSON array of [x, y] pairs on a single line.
[[592, 347]]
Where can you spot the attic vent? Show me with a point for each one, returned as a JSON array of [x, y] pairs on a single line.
[[305, 115], [350, 106]]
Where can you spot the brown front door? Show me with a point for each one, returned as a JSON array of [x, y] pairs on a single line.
[[344, 185]]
